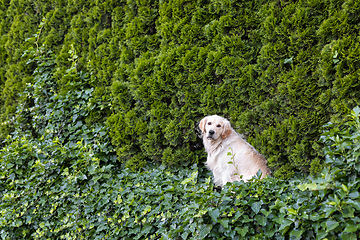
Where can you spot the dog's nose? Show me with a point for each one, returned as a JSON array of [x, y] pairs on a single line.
[[211, 132]]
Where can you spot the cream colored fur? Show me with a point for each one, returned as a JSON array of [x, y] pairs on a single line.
[[219, 139]]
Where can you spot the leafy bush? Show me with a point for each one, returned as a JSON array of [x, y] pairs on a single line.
[[42, 184], [279, 70], [167, 64], [267, 66], [53, 155], [67, 187]]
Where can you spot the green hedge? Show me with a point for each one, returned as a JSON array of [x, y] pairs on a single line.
[[278, 70], [273, 68], [55, 191], [60, 178]]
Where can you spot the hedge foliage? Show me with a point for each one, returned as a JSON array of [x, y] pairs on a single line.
[[66, 184], [60, 177], [278, 70]]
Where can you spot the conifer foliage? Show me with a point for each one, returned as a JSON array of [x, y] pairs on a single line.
[[100, 101], [278, 70]]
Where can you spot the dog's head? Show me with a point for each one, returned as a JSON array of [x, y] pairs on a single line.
[[213, 127]]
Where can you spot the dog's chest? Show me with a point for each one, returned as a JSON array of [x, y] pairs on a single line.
[[215, 160]]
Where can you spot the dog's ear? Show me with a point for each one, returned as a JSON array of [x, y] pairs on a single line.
[[202, 124], [227, 129]]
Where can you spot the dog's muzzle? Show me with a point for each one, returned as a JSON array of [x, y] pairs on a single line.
[[211, 134]]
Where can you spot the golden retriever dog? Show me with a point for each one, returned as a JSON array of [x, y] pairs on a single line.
[[230, 157]]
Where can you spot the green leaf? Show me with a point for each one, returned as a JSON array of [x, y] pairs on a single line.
[[351, 228], [278, 204], [321, 234], [10, 165], [356, 111], [256, 206], [12, 176], [292, 211], [144, 231], [288, 60], [205, 230], [345, 188], [214, 214], [349, 236], [82, 177], [190, 179], [285, 223], [224, 222], [91, 169], [90, 90], [261, 220], [186, 181], [297, 233], [242, 230], [42, 225], [354, 194], [331, 225], [348, 212], [311, 186]]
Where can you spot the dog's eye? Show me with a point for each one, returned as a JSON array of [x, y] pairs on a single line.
[[209, 123], [218, 125]]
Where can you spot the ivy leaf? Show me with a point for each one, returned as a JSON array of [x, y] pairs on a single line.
[[285, 223], [278, 205], [256, 206], [205, 230], [321, 234], [186, 181], [297, 233], [9, 165], [12, 176], [91, 169], [349, 236], [88, 91], [292, 211], [190, 179], [351, 228], [331, 225], [261, 220], [224, 222], [242, 230], [214, 214], [145, 230]]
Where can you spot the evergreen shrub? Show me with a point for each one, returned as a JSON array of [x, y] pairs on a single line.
[[279, 70], [272, 68], [60, 179]]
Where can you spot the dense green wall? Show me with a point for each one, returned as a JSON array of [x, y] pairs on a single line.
[[278, 70]]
